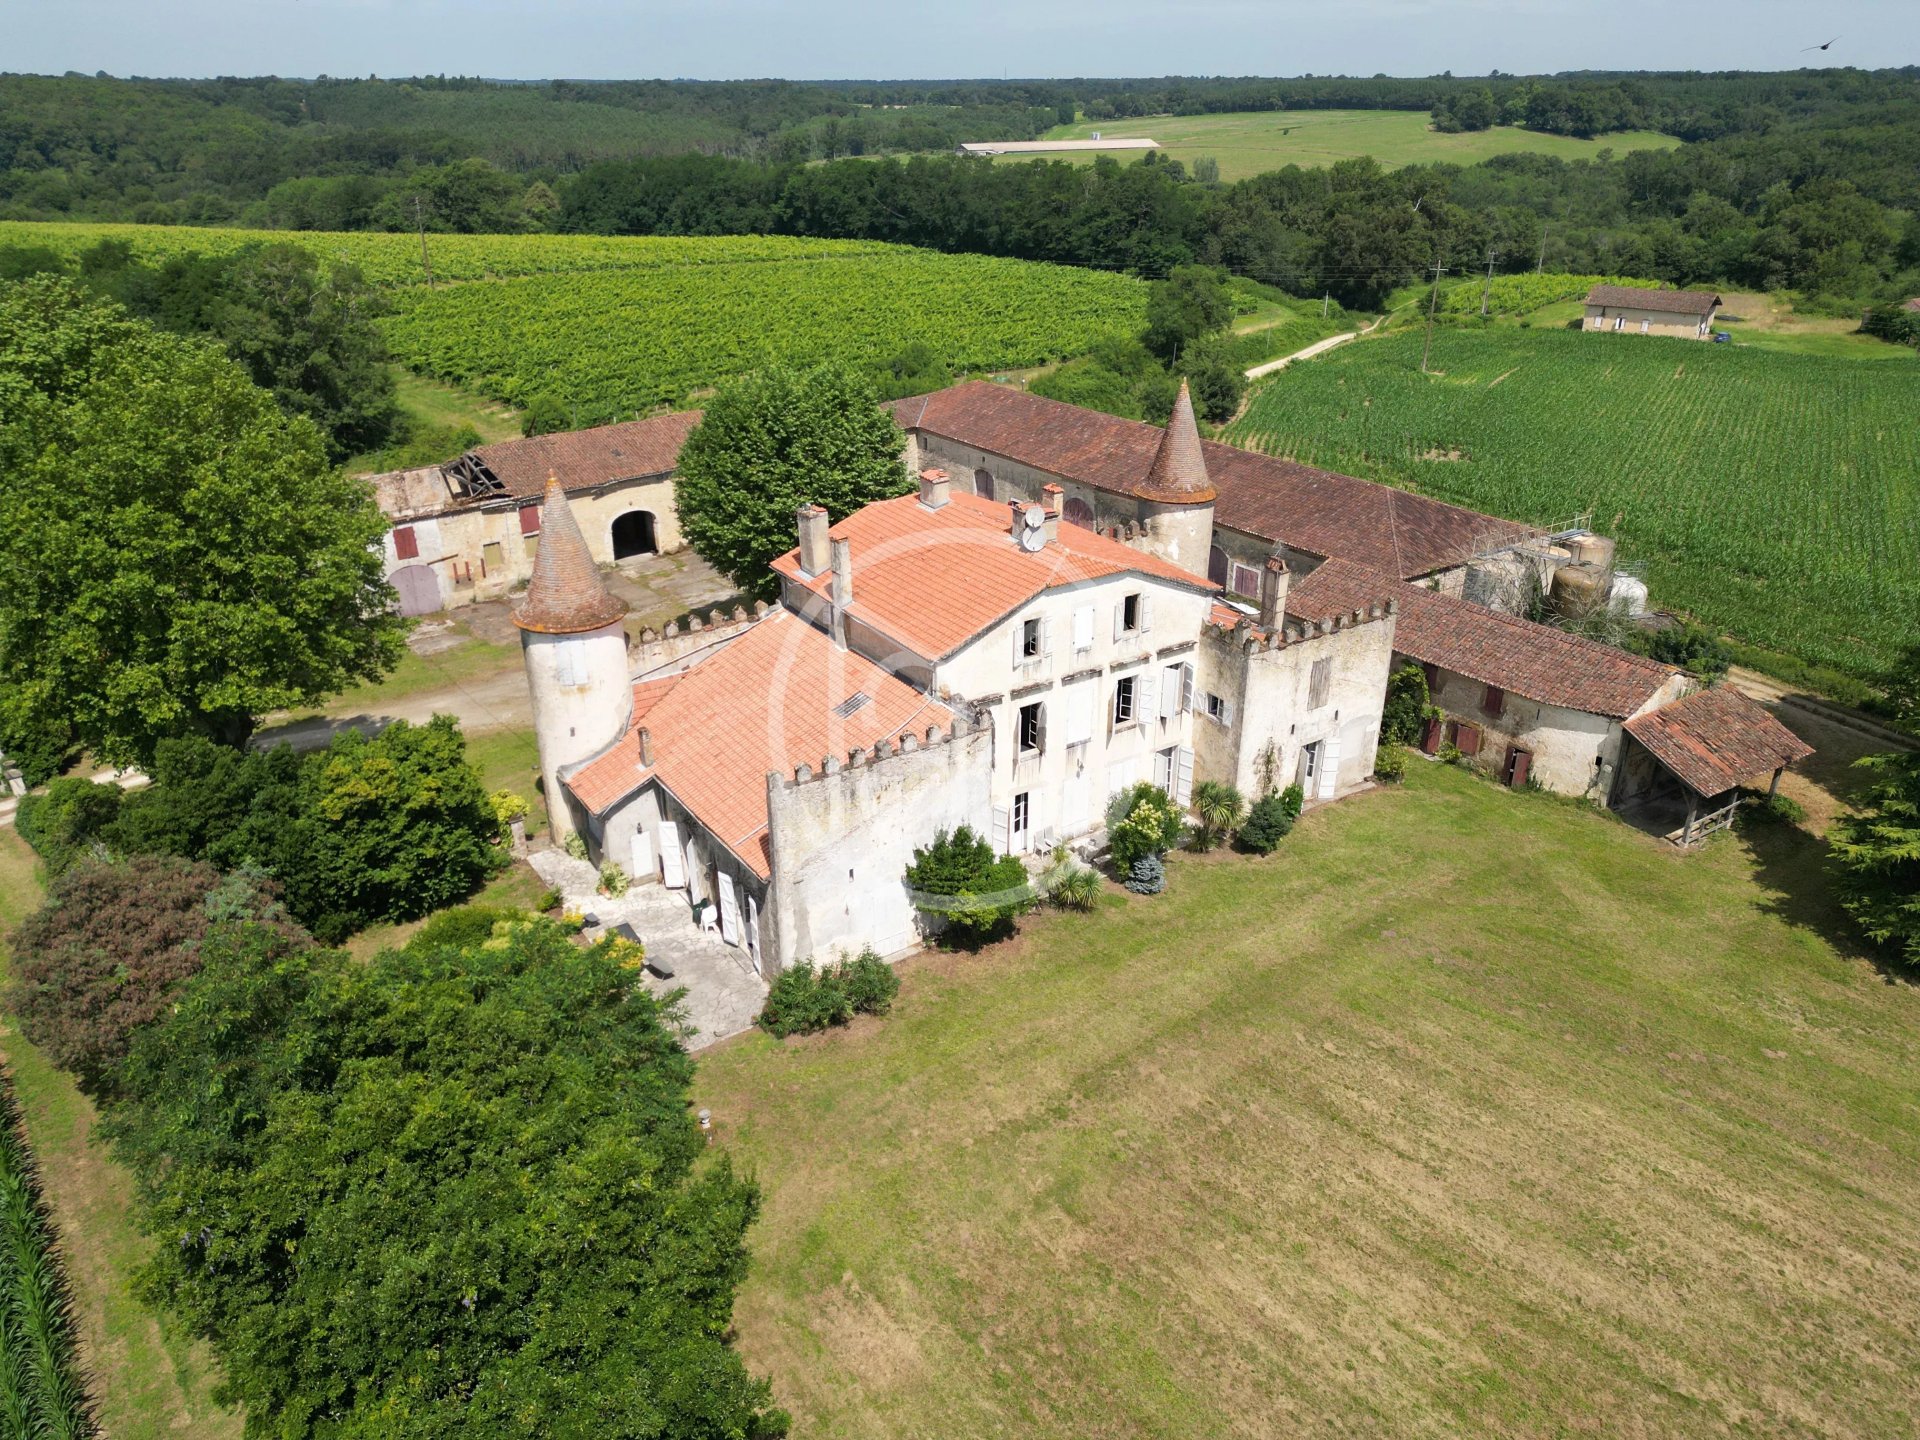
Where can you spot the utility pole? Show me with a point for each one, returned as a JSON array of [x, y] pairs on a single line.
[[1433, 304], [420, 219], [1325, 301], [1487, 289], [1543, 249]]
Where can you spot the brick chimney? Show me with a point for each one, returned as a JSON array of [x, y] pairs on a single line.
[[934, 488], [646, 748], [813, 539], [842, 589], [1055, 499], [1273, 592]]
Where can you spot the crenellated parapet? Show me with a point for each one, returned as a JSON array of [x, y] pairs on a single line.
[[879, 754], [652, 650], [1248, 636]]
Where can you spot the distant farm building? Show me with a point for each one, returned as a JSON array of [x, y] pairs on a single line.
[[1685, 314], [1042, 147]]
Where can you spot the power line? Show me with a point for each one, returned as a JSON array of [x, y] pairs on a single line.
[[1433, 304]]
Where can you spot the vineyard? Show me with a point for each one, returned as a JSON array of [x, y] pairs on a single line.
[[1517, 294], [611, 325], [1775, 495]]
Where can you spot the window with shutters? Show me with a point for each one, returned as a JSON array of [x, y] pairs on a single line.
[[1218, 709], [1246, 580], [1130, 615], [1032, 729], [493, 557], [1494, 702], [1030, 639], [529, 519], [1319, 682], [1123, 696], [406, 544]]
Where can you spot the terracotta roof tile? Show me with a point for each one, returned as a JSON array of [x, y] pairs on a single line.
[[566, 594], [764, 701], [931, 580], [1317, 511], [1717, 739], [587, 459], [1537, 661], [1178, 475], [1673, 302], [1338, 587]]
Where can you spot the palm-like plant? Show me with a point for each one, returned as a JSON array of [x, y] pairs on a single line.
[[1220, 809]]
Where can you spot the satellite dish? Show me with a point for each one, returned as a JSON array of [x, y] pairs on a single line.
[[1033, 517], [1031, 540]]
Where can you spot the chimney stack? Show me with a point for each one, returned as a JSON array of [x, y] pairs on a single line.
[[842, 589], [934, 488], [646, 748], [1273, 591], [1054, 498], [813, 539]]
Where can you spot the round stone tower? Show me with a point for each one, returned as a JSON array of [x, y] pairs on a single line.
[[1176, 498], [575, 649]]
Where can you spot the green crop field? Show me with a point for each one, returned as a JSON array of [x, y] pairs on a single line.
[[617, 324], [1251, 142], [1776, 495]]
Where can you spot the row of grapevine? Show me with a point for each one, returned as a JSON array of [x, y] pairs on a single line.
[[40, 1388], [611, 343], [1519, 294], [1772, 494], [395, 260]]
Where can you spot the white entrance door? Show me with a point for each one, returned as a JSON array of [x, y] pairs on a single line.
[[1329, 766], [753, 932], [643, 867], [673, 872], [729, 910]]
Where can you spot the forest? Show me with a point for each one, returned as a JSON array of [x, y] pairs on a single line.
[[1808, 181]]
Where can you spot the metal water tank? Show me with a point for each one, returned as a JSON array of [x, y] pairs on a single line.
[[1628, 595], [1578, 591]]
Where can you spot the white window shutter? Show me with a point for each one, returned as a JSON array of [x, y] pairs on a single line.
[[696, 881], [1040, 735], [1183, 783], [1119, 620], [1170, 693], [1019, 643], [1079, 701], [1046, 636], [1144, 696], [674, 871], [1003, 829], [1163, 770], [1226, 712], [1083, 628], [1329, 766], [1186, 689], [729, 910], [1034, 823], [1146, 612]]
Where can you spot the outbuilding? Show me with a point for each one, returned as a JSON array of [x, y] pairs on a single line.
[[1631, 310]]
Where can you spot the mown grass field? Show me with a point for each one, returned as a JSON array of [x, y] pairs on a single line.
[[1248, 143], [1774, 494], [1468, 1113]]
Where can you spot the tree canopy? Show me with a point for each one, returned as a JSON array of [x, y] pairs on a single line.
[[180, 557], [451, 1192], [1877, 855], [775, 441]]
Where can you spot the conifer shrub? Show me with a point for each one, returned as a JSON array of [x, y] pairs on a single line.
[[1267, 824], [958, 880], [1147, 875], [870, 982]]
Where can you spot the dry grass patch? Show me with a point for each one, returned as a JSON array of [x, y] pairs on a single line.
[[1467, 1113]]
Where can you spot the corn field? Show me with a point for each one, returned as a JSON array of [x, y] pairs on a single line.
[[1774, 495], [41, 1394]]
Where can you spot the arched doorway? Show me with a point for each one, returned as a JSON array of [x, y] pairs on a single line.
[[418, 587], [1217, 565], [1077, 512], [633, 535], [983, 484]]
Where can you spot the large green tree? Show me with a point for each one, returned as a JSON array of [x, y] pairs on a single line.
[[1877, 856], [179, 557], [453, 1192], [772, 442]]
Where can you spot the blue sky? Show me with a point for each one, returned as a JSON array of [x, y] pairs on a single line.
[[725, 39]]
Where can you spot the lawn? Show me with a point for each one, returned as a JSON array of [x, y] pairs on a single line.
[[1248, 143], [150, 1382], [1773, 494], [1468, 1113]]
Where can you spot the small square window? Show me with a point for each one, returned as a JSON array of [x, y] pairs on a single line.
[[1216, 707]]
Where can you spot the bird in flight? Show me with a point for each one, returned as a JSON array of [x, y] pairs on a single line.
[[1827, 46]]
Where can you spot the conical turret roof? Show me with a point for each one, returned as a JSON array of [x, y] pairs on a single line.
[[566, 595], [1179, 473]]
